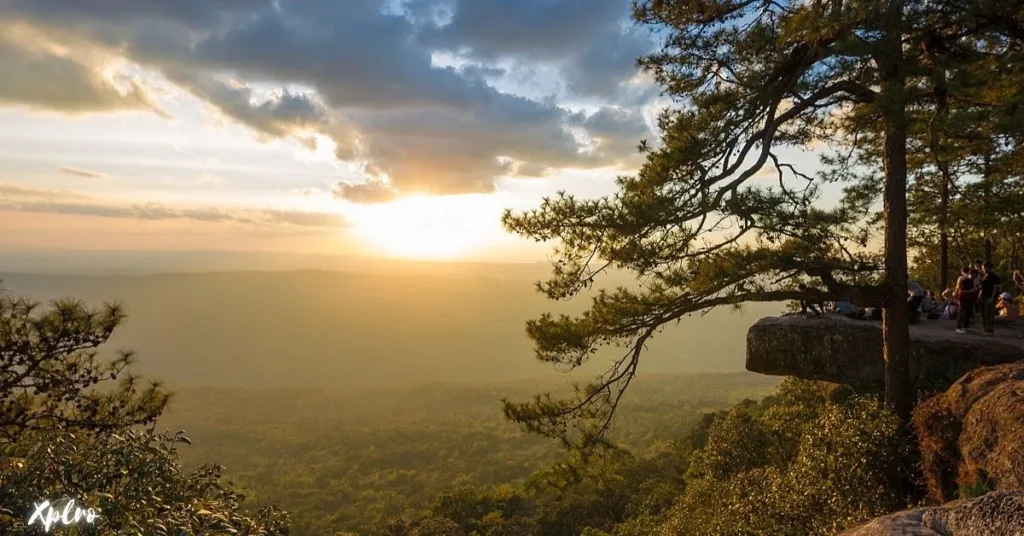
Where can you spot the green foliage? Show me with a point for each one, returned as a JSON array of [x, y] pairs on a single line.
[[49, 370], [67, 434], [132, 478], [800, 462], [797, 463]]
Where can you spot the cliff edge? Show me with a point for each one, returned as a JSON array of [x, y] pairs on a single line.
[[999, 512], [837, 349]]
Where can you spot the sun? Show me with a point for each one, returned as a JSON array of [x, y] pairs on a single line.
[[428, 227]]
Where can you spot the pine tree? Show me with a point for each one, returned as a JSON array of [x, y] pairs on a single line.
[[698, 224]]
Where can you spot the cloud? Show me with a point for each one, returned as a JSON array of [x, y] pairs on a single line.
[[534, 29], [14, 191], [148, 211], [306, 219], [352, 52], [605, 67], [81, 172], [615, 132], [370, 83], [370, 192], [592, 42], [40, 76], [279, 115], [17, 198]]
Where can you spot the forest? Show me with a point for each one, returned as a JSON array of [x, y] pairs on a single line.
[[353, 462]]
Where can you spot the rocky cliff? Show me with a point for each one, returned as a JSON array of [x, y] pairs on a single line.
[[972, 435], [838, 349], [997, 513]]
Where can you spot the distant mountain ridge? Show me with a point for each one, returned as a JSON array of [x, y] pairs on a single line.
[[355, 330]]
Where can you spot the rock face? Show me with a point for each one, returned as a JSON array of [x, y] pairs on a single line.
[[841, 350], [999, 512], [973, 434]]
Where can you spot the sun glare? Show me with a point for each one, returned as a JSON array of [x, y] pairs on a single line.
[[429, 227]]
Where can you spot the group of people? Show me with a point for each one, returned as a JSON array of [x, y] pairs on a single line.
[[978, 290]]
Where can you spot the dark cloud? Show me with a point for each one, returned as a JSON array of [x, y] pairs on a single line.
[[606, 65], [276, 116], [355, 55], [481, 73], [615, 131], [375, 89], [535, 29], [80, 172], [593, 42], [434, 151], [370, 192], [131, 11]]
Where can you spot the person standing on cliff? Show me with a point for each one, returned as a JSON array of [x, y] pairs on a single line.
[[812, 304], [990, 284], [967, 296], [976, 275]]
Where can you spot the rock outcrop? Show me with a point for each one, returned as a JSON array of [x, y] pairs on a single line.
[[837, 349], [999, 512], [972, 435]]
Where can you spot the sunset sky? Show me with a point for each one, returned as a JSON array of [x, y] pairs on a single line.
[[361, 127]]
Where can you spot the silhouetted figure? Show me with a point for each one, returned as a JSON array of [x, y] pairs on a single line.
[[915, 297], [813, 305], [990, 290]]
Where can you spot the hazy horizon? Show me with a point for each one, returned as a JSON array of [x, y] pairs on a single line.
[[380, 323]]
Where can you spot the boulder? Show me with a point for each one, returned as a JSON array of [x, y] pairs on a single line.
[[972, 435], [906, 523], [999, 512], [837, 349]]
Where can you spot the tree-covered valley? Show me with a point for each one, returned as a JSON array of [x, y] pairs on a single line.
[[351, 462]]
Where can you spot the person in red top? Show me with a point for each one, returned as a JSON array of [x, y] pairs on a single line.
[[967, 295]]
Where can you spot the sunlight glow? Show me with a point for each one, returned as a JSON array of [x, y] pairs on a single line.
[[430, 227]]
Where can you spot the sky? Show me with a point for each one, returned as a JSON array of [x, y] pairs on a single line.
[[361, 127]]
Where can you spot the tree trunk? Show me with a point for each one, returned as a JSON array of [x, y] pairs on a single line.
[[988, 250], [899, 395]]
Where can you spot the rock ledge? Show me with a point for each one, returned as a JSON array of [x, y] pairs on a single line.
[[997, 513], [837, 349]]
